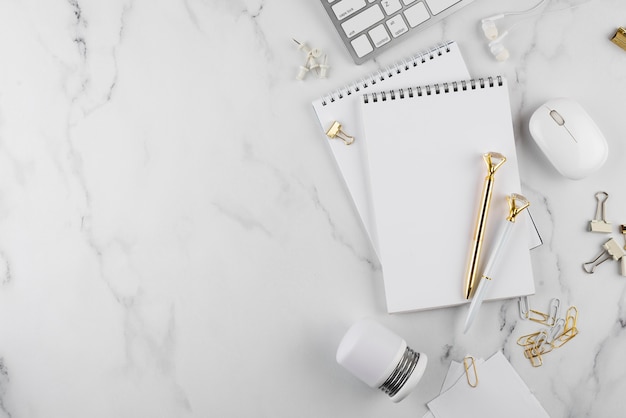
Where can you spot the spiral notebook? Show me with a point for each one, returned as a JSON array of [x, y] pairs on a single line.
[[441, 63], [425, 148]]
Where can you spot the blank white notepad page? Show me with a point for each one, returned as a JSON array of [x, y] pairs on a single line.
[[425, 151]]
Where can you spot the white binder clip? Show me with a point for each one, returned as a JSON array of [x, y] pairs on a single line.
[[611, 250], [599, 224]]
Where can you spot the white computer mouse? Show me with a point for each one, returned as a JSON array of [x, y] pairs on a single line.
[[569, 138]]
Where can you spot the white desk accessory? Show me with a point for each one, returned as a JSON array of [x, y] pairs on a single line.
[[599, 223], [381, 359], [611, 250], [569, 138], [425, 147], [370, 27]]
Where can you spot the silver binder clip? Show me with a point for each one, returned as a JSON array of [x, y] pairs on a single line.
[[599, 224], [611, 250]]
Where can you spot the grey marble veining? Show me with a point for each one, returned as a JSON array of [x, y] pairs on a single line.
[[175, 240]]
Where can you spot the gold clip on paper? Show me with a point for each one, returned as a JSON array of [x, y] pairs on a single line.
[[620, 38], [611, 250], [470, 371], [335, 132], [599, 223], [493, 160]]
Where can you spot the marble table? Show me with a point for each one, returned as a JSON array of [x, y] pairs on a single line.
[[175, 240]]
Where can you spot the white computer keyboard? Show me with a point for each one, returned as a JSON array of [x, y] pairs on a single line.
[[367, 27]]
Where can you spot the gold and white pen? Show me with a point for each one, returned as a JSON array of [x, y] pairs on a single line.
[[517, 203]]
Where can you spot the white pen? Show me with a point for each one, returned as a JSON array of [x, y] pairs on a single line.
[[517, 203]]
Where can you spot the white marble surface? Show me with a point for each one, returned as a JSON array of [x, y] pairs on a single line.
[[175, 240]]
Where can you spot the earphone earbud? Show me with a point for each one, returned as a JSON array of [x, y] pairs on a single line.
[[498, 50], [489, 27]]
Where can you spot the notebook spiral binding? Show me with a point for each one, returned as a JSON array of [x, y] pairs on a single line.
[[454, 86], [397, 68]]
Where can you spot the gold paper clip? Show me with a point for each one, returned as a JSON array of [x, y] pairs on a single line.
[[470, 374], [599, 224], [335, 132], [620, 38], [611, 250], [570, 319], [528, 340], [548, 319]]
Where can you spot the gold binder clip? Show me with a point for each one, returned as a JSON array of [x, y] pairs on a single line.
[[470, 371], [620, 38], [611, 250], [599, 224], [335, 132]]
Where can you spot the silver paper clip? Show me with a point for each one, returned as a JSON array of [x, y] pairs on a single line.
[[524, 307], [611, 250], [556, 330], [599, 224]]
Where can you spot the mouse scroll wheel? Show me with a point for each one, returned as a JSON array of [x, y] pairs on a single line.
[[557, 117]]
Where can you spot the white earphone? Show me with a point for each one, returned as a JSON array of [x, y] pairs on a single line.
[[493, 35], [488, 25], [491, 32], [498, 50]]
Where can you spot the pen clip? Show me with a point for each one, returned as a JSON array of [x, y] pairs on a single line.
[[517, 203], [493, 160]]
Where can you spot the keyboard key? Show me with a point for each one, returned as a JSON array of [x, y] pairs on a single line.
[[362, 46], [416, 14], [346, 8], [438, 6], [362, 21], [397, 26], [379, 36], [407, 2], [391, 6]]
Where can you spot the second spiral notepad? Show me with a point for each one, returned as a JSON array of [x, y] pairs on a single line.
[[425, 147]]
